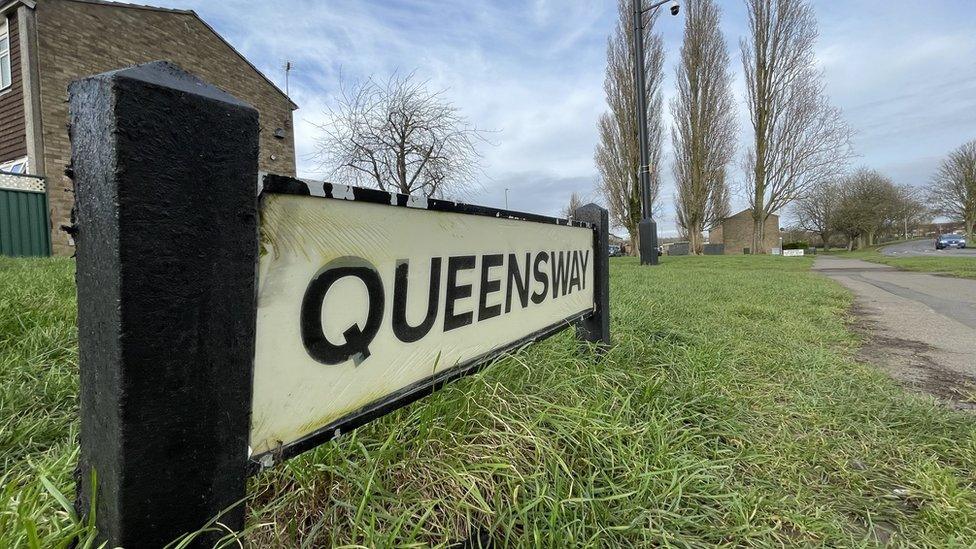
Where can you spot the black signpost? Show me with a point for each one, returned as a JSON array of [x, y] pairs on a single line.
[[167, 233], [165, 172]]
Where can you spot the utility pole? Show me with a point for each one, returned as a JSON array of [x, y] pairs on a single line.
[[647, 228], [506, 198]]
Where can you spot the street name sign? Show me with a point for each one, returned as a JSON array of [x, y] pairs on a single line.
[[367, 298], [228, 321]]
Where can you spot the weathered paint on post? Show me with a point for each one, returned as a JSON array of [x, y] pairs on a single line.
[[165, 171]]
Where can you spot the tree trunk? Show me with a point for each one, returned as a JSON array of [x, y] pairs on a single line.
[[634, 242], [695, 243], [758, 225], [825, 240], [969, 231]]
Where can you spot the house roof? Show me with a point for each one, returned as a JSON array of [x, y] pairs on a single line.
[[6, 6], [134, 6], [193, 14], [746, 213]]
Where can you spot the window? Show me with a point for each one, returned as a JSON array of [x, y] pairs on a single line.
[[15, 166], [4, 55]]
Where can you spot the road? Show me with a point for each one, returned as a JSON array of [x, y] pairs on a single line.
[[920, 328], [925, 248]]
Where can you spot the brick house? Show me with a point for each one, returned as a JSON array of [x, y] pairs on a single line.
[[45, 44], [735, 232]]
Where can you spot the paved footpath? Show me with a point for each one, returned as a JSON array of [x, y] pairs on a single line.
[[920, 327]]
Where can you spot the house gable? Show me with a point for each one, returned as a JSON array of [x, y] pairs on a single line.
[[735, 232], [200, 20], [79, 38]]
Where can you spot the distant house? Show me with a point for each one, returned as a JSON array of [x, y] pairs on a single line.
[[735, 232], [46, 44]]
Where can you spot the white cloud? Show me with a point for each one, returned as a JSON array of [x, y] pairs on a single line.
[[904, 73]]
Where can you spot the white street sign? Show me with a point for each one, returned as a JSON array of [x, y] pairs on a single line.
[[360, 302]]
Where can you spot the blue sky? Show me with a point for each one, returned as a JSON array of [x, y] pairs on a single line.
[[904, 73]]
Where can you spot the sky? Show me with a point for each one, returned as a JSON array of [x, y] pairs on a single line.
[[531, 71]]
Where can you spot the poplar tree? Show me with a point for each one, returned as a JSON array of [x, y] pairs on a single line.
[[799, 139], [703, 135]]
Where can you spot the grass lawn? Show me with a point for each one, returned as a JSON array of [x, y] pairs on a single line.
[[961, 266], [729, 412]]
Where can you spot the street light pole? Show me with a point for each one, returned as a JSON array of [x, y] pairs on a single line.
[[506, 198], [647, 228]]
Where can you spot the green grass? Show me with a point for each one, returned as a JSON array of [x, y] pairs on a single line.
[[960, 266], [963, 267], [38, 403], [729, 412]]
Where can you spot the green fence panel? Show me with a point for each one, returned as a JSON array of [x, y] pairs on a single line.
[[24, 221]]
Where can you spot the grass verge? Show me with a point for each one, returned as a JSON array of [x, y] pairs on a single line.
[[959, 266], [728, 413]]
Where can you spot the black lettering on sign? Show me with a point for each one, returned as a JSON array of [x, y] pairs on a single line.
[[586, 259], [401, 328], [357, 339], [454, 292], [540, 277], [560, 273], [489, 286], [564, 274], [574, 280], [518, 281]]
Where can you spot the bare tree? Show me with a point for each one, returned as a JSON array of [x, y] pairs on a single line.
[[617, 155], [575, 202], [910, 209], [953, 189], [401, 137], [799, 139], [703, 135], [816, 211], [868, 207]]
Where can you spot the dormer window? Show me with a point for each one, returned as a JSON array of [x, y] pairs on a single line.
[[4, 55]]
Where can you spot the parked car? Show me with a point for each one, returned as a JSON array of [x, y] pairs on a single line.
[[615, 250], [950, 241]]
